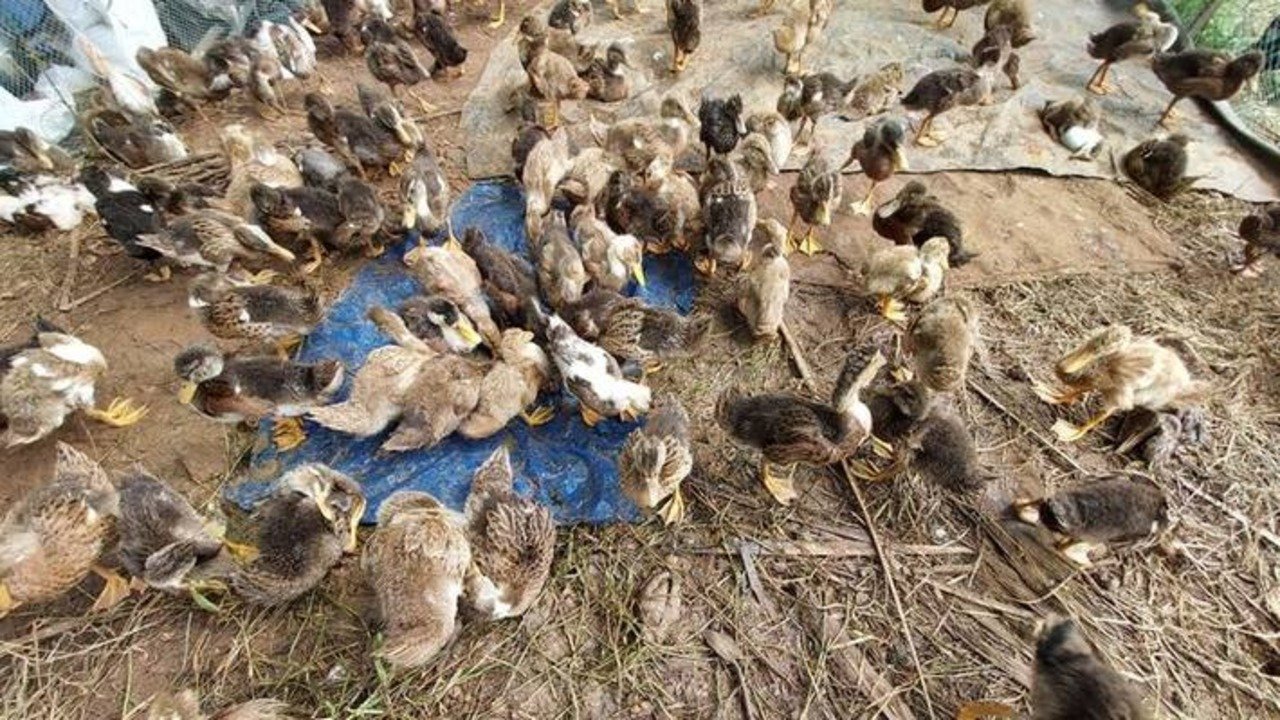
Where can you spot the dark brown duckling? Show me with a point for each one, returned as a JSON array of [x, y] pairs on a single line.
[[879, 153], [257, 313], [1090, 515], [1133, 38], [212, 239], [637, 334], [684, 23], [508, 279], [298, 215], [1204, 74], [788, 429], [822, 94], [1260, 231], [447, 53], [722, 124], [942, 90], [361, 142], [814, 198], [915, 217], [996, 48], [925, 436], [1159, 165], [25, 151], [607, 80], [391, 60], [362, 218], [1070, 682]]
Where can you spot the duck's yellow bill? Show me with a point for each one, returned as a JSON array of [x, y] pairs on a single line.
[[186, 393]]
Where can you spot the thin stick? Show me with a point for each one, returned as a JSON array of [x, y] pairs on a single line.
[[1054, 450], [69, 280], [881, 552], [104, 289]]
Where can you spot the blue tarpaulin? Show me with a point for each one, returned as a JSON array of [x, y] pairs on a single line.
[[564, 464]]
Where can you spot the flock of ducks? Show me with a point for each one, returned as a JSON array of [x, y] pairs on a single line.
[[493, 329]]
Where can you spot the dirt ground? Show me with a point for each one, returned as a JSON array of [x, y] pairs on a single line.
[[826, 626]]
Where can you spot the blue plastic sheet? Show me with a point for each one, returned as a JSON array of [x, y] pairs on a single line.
[[564, 464]]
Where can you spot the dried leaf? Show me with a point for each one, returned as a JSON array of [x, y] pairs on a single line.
[[723, 646]]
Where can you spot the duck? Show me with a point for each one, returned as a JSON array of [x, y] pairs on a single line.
[[905, 272], [247, 388], [360, 142], [790, 38], [425, 193], [265, 75], [755, 157], [391, 60], [510, 387], [684, 23], [606, 80], [996, 49], [656, 458], [1128, 371], [643, 336], [789, 105], [921, 433], [294, 214], [251, 161], [49, 378], [763, 297], [126, 213], [303, 529], [588, 173], [186, 706], [253, 313], [777, 131], [1145, 36], [1155, 437], [230, 62], [132, 142], [1203, 74], [728, 216], [721, 124], [950, 9], [879, 153], [821, 94], [295, 48], [507, 279], [436, 35], [526, 139], [638, 140], [1069, 680], [447, 270], [1074, 123], [362, 217], [592, 376], [384, 109], [1091, 515], [176, 199], [942, 90], [1013, 14], [562, 275], [54, 535], [26, 152], [417, 561], [213, 240], [37, 203], [513, 541], [673, 199], [320, 169], [1159, 165], [630, 208], [572, 15], [545, 167], [163, 542], [941, 340], [814, 197], [876, 93], [610, 260], [554, 78], [125, 90], [1260, 231], [439, 322], [788, 429], [916, 216]]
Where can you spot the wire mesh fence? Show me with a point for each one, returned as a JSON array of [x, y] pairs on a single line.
[[1237, 26]]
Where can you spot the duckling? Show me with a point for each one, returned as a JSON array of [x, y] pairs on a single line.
[[995, 48], [1260, 231], [361, 142], [571, 15], [950, 9], [905, 272], [684, 23], [941, 339], [304, 529], [320, 169], [186, 706], [507, 277], [51, 378], [819, 17], [553, 77], [250, 162], [639, 140], [755, 156], [942, 90], [387, 111], [643, 336], [1013, 14], [610, 260], [295, 48], [447, 53], [606, 80], [230, 62], [1159, 165], [814, 196], [362, 217], [674, 200], [936, 444], [126, 213], [543, 170], [126, 91], [526, 139], [588, 173], [391, 60], [25, 151], [297, 213], [510, 387], [1203, 74], [447, 270], [729, 216], [777, 130], [164, 543], [1074, 124], [1069, 680], [1127, 371], [1156, 436], [764, 295], [721, 124], [212, 239], [789, 430], [789, 106], [790, 38], [417, 560], [425, 192], [1089, 516], [875, 93], [821, 94], [592, 376], [656, 458], [247, 388], [561, 272], [631, 208], [438, 321], [176, 199], [52, 538], [915, 216], [264, 77], [513, 542], [1134, 38], [880, 155], [42, 202], [261, 313], [136, 143]]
